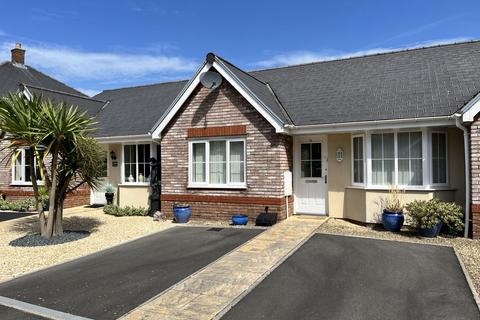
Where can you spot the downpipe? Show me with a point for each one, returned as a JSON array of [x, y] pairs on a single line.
[[459, 125]]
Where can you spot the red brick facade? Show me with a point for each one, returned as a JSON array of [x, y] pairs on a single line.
[[475, 176], [268, 155], [16, 192]]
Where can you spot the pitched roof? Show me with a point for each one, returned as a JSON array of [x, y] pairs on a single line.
[[424, 82], [415, 83], [91, 106], [12, 75], [135, 110]]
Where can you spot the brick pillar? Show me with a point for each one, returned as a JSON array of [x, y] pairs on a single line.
[[475, 176]]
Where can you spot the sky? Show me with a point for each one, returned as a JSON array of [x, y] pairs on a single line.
[[98, 45]]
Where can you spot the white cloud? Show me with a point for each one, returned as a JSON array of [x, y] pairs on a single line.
[[75, 65], [299, 57]]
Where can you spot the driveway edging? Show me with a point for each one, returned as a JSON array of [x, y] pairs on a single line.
[[476, 297]]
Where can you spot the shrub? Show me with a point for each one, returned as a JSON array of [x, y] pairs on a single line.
[[393, 201], [115, 210], [17, 205], [426, 214]]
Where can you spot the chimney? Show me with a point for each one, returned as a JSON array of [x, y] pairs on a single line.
[[18, 54]]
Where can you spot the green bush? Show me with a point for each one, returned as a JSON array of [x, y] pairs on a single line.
[[426, 214], [17, 205], [115, 210]]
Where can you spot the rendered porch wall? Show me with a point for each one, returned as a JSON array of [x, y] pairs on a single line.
[[136, 196], [268, 155], [360, 204]]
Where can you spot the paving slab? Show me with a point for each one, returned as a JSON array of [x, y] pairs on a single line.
[[109, 283], [209, 292], [338, 277]]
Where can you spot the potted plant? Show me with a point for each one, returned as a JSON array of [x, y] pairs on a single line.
[[430, 216], [392, 215], [181, 212], [109, 193]]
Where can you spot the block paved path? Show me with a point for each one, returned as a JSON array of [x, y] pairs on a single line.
[[213, 290]]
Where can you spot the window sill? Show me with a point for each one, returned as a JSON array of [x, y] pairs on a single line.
[[218, 187], [135, 184], [381, 188], [25, 184]]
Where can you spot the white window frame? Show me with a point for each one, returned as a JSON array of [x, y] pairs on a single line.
[[447, 183], [426, 163], [23, 182], [207, 184], [152, 154], [364, 160]]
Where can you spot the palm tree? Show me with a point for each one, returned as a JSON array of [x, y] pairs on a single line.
[[70, 158]]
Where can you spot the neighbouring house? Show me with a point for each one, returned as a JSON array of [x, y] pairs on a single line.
[[16, 76], [325, 138]]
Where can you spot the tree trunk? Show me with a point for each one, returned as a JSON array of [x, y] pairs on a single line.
[[38, 203], [52, 212], [58, 229]]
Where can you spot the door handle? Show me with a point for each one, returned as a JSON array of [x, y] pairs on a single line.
[[326, 179]]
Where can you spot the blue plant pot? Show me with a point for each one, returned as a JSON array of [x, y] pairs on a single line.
[[182, 214], [431, 232], [392, 221], [240, 219]]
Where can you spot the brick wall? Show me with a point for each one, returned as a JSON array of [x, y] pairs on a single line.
[[14, 192], [475, 176], [268, 155]]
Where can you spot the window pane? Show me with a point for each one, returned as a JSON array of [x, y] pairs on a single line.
[[416, 172], [416, 145], [198, 162], [218, 162], [305, 151], [389, 168], [236, 162], [358, 159], [388, 145], [439, 157], [316, 151], [403, 172], [316, 169], [306, 171], [360, 171], [18, 166], [442, 171], [377, 152], [403, 146], [377, 172]]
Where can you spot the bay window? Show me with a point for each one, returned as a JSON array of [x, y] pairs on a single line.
[[136, 163], [21, 171], [408, 158], [217, 162]]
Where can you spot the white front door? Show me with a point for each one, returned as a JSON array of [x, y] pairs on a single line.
[[311, 162]]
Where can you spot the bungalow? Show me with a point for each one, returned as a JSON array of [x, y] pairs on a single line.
[[326, 138]]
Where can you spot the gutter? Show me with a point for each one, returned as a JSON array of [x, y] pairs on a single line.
[[459, 125], [129, 138]]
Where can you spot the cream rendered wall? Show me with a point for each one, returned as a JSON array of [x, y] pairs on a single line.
[[136, 196], [360, 204], [339, 174]]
